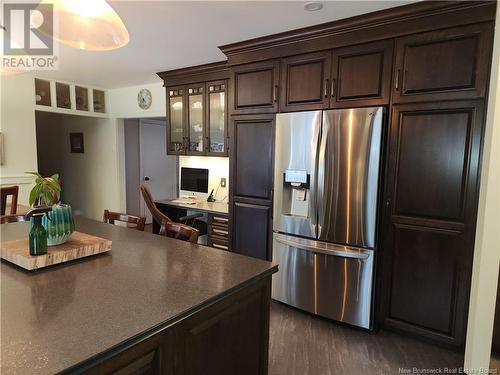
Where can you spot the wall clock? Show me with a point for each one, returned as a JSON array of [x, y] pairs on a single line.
[[144, 98]]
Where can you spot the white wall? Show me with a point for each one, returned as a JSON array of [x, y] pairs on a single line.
[[90, 180], [217, 167], [487, 246], [123, 102], [18, 127]]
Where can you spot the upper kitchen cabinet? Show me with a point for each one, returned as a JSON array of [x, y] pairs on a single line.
[[445, 64], [217, 117], [196, 133], [197, 119], [176, 139], [361, 75], [347, 77], [255, 87], [197, 109], [305, 81]]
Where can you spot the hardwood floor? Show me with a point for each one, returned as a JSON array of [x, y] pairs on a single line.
[[302, 344]]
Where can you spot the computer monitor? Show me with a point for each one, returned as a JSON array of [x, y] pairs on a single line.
[[194, 181]]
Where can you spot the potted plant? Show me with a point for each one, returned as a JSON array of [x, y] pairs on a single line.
[[58, 222]]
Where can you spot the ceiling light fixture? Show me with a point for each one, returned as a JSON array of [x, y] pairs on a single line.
[[313, 6], [91, 25]]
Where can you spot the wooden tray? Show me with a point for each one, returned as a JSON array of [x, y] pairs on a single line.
[[79, 245]]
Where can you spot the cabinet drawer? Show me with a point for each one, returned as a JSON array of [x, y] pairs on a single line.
[[219, 231], [218, 242], [220, 220]]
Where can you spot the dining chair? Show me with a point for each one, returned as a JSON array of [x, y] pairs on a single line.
[[5, 191], [110, 217], [181, 232], [5, 219], [159, 216]]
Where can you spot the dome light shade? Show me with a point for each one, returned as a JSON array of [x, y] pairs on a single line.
[[91, 25]]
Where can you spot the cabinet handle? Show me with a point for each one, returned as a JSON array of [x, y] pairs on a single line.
[[397, 79], [334, 86], [275, 94]]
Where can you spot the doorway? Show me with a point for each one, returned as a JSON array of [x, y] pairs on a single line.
[[146, 162]]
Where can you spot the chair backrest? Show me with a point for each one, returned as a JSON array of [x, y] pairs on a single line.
[[181, 232], [161, 218], [5, 191], [111, 217], [5, 219]]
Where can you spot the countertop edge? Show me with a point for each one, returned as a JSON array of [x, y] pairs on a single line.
[[89, 363]]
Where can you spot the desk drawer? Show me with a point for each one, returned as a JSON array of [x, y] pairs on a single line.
[[218, 242], [218, 231], [218, 219]]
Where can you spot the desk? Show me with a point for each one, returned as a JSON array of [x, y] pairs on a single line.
[[199, 206], [217, 227]]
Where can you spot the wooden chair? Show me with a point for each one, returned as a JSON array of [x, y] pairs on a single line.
[[5, 191], [111, 217], [181, 232], [5, 219], [159, 216]]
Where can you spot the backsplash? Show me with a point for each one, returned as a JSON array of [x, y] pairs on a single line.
[[218, 167]]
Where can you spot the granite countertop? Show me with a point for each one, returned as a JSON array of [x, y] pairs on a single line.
[[57, 317]]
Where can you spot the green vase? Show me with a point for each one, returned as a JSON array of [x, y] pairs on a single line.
[[59, 224]]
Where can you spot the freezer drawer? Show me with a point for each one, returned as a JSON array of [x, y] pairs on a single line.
[[329, 280]]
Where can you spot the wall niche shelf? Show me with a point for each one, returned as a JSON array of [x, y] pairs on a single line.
[[70, 98]]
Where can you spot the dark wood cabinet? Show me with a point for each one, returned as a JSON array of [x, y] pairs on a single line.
[[427, 244], [228, 339], [352, 76], [176, 120], [252, 156], [197, 119], [252, 229], [305, 81], [255, 87], [362, 75], [445, 64], [251, 175], [229, 336]]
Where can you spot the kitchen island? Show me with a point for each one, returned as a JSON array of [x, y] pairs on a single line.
[[153, 305]]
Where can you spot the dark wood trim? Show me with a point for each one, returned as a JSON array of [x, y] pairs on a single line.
[[194, 74], [388, 23]]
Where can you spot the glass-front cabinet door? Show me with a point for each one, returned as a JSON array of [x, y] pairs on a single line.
[[217, 117], [176, 142], [197, 143]]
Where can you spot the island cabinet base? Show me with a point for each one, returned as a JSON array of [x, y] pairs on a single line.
[[229, 336]]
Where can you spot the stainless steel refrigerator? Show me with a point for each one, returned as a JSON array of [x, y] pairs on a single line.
[[326, 185]]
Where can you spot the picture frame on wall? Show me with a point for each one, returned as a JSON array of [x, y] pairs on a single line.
[[76, 143]]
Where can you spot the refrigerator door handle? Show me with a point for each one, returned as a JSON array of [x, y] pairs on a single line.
[[320, 186], [313, 207], [324, 248]]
